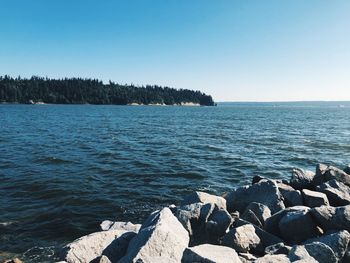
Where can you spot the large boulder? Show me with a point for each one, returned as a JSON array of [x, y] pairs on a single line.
[[326, 173], [332, 218], [337, 241], [314, 199], [205, 223], [127, 226], [338, 193], [272, 223], [321, 252], [297, 226], [216, 226], [266, 239], [291, 197], [265, 192], [302, 179], [261, 211], [210, 253], [93, 246], [300, 254], [201, 197], [161, 237], [242, 239]]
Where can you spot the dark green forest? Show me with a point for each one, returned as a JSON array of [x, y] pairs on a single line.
[[93, 91]]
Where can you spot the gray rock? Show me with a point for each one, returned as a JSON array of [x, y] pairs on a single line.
[[338, 193], [321, 252], [128, 226], [265, 192], [302, 179], [337, 241], [161, 237], [300, 254], [201, 197], [218, 223], [291, 196], [347, 169], [249, 216], [189, 215], [90, 247], [332, 218], [262, 212], [326, 173], [314, 199], [266, 239], [210, 253], [242, 239], [297, 226], [278, 248], [271, 224], [273, 259]]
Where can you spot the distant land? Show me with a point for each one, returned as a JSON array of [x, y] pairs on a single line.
[[38, 90]]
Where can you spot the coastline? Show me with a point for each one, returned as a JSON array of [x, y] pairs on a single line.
[[305, 218]]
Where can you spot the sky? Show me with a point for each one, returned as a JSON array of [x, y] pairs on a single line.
[[234, 50]]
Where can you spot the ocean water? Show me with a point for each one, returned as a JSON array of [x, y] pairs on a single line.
[[65, 168]]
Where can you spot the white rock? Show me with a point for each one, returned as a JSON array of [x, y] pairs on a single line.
[[110, 225], [90, 247], [161, 238]]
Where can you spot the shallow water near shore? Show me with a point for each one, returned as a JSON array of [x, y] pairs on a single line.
[[65, 168]]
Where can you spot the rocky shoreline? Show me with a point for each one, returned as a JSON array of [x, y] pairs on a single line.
[[305, 219]]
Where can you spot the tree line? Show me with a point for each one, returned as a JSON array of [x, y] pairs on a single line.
[[93, 91]]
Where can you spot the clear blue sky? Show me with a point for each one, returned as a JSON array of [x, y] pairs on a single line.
[[241, 50]]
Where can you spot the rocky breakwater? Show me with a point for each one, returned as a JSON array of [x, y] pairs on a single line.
[[305, 219]]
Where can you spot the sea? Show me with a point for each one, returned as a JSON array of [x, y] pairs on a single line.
[[66, 168]]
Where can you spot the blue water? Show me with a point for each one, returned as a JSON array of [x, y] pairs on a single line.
[[65, 168]]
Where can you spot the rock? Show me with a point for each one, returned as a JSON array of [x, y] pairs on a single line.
[[300, 254], [201, 197], [337, 241], [249, 216], [257, 179], [338, 193], [90, 247], [218, 222], [104, 259], [262, 212], [161, 237], [291, 196], [242, 239], [189, 215], [347, 169], [246, 257], [273, 259], [326, 173], [297, 226], [302, 179], [278, 248], [210, 253], [128, 226], [332, 218], [271, 224], [266, 238], [321, 252], [314, 199], [265, 192]]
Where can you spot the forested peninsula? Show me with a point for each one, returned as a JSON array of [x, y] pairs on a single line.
[[93, 91]]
